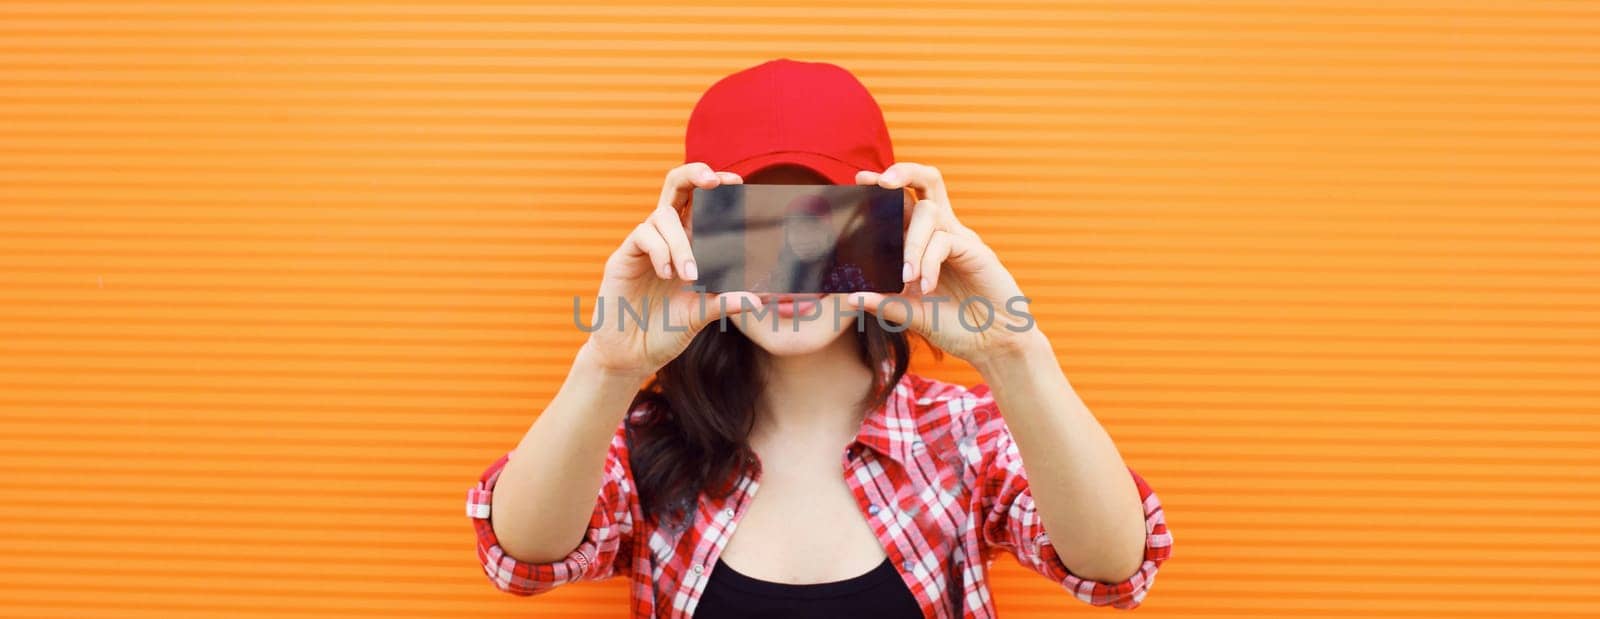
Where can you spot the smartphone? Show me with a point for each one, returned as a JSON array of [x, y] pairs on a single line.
[[798, 238]]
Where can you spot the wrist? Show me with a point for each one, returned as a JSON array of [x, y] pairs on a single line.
[[1019, 350], [593, 365]]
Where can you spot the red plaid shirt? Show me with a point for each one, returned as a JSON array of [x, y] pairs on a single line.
[[935, 472]]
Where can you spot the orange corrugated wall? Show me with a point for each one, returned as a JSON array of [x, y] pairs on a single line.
[[278, 279]]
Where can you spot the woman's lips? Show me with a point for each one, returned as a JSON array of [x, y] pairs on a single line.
[[790, 305]]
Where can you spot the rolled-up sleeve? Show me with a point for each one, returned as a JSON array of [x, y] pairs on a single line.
[[1010, 521], [605, 545]]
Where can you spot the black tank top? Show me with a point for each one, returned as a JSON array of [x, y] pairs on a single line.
[[878, 594]]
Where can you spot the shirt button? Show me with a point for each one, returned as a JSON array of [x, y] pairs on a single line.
[[873, 509], [917, 444], [728, 511], [908, 565], [698, 568]]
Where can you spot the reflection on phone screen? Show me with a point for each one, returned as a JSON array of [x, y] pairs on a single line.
[[798, 238]]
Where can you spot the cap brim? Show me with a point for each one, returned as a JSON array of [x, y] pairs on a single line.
[[837, 172]]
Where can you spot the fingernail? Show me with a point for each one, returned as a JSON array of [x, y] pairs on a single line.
[[706, 177], [690, 271], [927, 285], [905, 272], [891, 177]]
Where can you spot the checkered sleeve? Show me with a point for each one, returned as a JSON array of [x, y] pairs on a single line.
[[1010, 522], [605, 544]]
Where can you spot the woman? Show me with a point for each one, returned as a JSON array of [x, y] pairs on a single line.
[[806, 254], [881, 493], [808, 259]]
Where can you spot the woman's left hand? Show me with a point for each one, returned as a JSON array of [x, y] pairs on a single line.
[[957, 293]]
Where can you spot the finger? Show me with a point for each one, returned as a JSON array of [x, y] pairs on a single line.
[[896, 175], [928, 180], [924, 215], [932, 261], [729, 178], [666, 222], [681, 182], [645, 241], [720, 305], [897, 309], [866, 177], [928, 183], [966, 254]]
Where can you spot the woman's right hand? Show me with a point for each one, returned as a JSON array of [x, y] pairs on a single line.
[[654, 270]]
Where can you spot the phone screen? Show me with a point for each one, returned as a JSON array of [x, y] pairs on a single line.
[[798, 238]]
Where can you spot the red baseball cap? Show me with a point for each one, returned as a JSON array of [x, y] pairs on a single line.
[[812, 114], [808, 205]]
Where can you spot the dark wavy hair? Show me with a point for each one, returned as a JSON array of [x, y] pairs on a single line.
[[699, 409]]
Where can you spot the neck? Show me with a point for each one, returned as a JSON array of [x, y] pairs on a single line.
[[816, 395]]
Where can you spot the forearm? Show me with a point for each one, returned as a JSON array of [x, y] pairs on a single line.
[[1084, 494], [545, 495]]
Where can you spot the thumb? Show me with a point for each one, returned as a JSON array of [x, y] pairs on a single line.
[[718, 305], [898, 309]]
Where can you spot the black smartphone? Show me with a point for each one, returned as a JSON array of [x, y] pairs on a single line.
[[798, 238]]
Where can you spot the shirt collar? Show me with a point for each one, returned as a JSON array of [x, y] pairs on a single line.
[[890, 428]]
